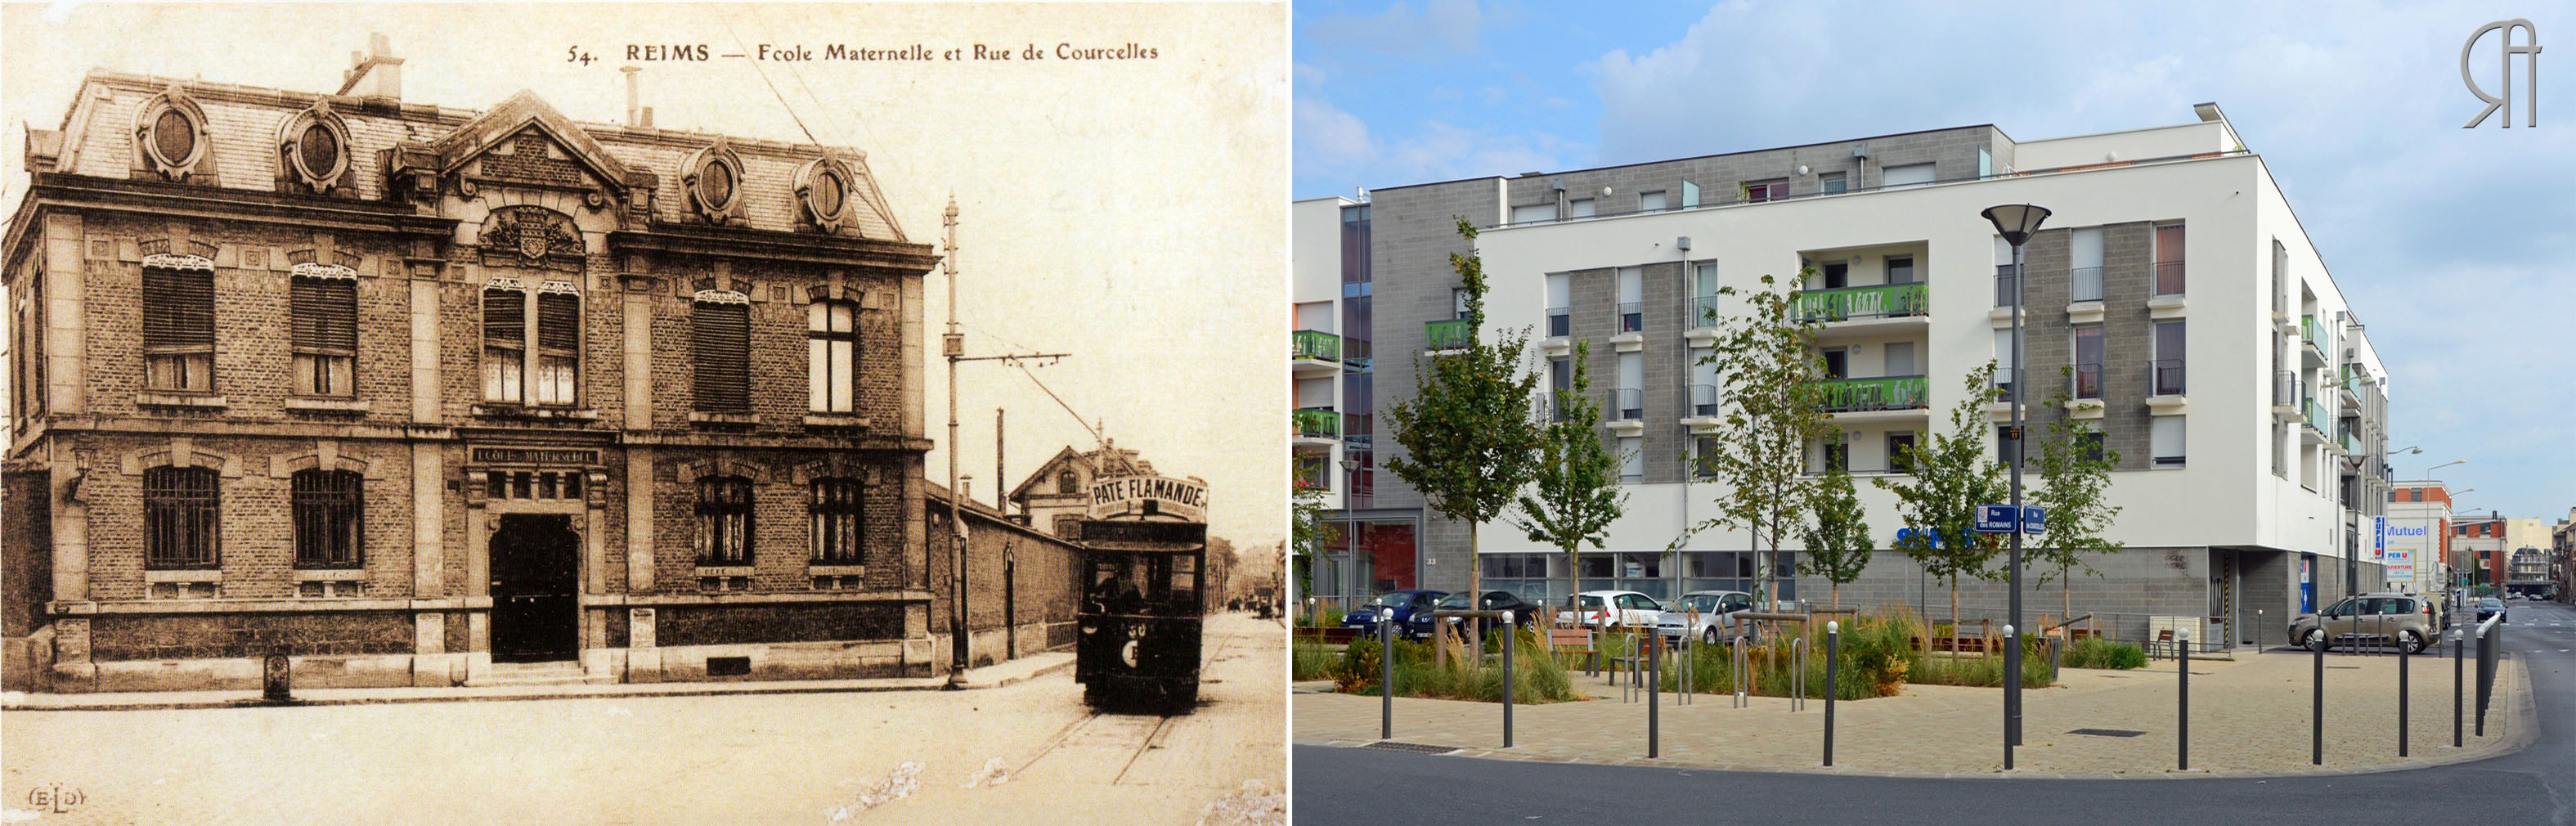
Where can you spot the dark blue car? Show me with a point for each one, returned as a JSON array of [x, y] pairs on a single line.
[[1404, 602]]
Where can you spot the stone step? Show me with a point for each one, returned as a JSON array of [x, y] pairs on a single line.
[[550, 673]]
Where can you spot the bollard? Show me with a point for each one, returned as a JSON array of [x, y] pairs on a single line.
[[1688, 661], [2182, 709], [1511, 640], [277, 676], [1654, 691], [1833, 640], [1386, 673], [2401, 698], [2457, 653], [2317, 704], [2009, 675], [1743, 682], [1798, 674], [2486, 674]]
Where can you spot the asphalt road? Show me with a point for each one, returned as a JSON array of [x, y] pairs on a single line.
[[2534, 786]]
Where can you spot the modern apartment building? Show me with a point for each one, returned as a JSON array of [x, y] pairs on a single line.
[[422, 395], [2197, 329], [2420, 523]]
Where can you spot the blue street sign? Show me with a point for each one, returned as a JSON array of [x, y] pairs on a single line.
[[1995, 519], [2034, 519], [1903, 534]]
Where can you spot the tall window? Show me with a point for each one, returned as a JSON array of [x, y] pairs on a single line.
[[326, 335], [1706, 450], [2169, 259], [837, 516], [327, 513], [2088, 361], [724, 520], [722, 354], [558, 348], [505, 345], [2169, 359], [1632, 297], [182, 517], [1900, 451], [179, 329], [1632, 459], [2090, 443], [1838, 452], [832, 355]]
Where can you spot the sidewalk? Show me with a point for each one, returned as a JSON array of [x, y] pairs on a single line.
[[2250, 717], [991, 676]]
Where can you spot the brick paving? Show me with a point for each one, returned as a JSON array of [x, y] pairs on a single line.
[[2250, 716]]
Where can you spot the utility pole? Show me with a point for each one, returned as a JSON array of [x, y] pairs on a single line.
[[1000, 494], [953, 346]]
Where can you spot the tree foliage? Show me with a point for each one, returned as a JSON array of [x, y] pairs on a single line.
[[1768, 374], [1469, 441], [1836, 535], [2073, 480], [1953, 473], [1574, 495]]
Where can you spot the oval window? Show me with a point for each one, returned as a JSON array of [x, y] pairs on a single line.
[[715, 186], [320, 150], [174, 136], [827, 194]]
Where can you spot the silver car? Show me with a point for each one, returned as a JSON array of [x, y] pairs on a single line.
[[1709, 615], [2402, 619]]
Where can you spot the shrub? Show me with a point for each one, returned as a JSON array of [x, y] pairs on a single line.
[[1314, 660], [1536, 676], [2096, 652]]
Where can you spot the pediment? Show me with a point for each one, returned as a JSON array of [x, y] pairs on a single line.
[[524, 141]]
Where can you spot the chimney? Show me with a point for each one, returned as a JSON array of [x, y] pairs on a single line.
[[632, 118], [375, 73], [648, 118]]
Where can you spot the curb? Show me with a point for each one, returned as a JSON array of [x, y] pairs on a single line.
[[17, 702]]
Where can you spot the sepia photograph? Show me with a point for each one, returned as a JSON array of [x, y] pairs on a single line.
[[605, 414]]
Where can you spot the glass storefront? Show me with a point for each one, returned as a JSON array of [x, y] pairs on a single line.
[[1377, 556], [1540, 578]]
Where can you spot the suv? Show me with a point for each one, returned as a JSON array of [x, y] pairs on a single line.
[[2403, 619], [1710, 615]]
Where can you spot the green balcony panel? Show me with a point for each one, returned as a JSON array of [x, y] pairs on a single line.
[[1318, 424], [2318, 419], [1885, 393], [1448, 335], [1880, 301], [1312, 344]]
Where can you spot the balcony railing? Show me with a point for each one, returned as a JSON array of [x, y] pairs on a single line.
[[1358, 429], [2003, 383], [2351, 445], [2088, 381], [1883, 393], [1628, 404], [1316, 423], [1878, 301], [1355, 352], [1314, 344], [1703, 399], [1560, 322], [1703, 310], [2165, 377], [2314, 334], [2317, 418], [2004, 291], [1632, 316], [1455, 334], [2288, 388], [2168, 278], [2084, 284]]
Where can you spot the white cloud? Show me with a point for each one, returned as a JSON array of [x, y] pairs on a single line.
[[1330, 138]]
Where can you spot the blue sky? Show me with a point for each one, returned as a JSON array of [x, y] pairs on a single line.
[[2453, 244]]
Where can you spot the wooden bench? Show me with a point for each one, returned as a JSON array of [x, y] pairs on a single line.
[[1567, 642]]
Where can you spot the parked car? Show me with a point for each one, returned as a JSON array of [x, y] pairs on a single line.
[[2398, 618], [1597, 608], [1404, 602], [2491, 607], [1709, 615], [1523, 612]]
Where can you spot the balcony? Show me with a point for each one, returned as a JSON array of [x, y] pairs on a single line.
[[1703, 312], [2083, 284], [1314, 353], [2088, 381], [1878, 301], [1628, 404], [1632, 316], [1882, 394], [2318, 423], [2289, 388], [1455, 334], [1315, 426], [1703, 401], [1560, 322], [2169, 279], [2165, 377], [2317, 344]]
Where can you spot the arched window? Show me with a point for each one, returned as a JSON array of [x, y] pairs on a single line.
[[328, 512], [840, 524], [1066, 482], [832, 356], [182, 517], [724, 520]]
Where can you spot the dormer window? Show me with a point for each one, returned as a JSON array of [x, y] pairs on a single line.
[[170, 135], [823, 190], [313, 148], [713, 179]]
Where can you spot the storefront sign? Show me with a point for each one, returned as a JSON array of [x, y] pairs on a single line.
[[1141, 496]]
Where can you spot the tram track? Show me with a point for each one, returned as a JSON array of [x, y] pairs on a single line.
[[1081, 730]]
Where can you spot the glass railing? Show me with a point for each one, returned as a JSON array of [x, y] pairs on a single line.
[[2350, 444], [1703, 311], [1455, 334], [2004, 289], [2318, 419], [1879, 301], [1316, 423], [2315, 334], [1314, 344], [1883, 393], [2084, 284]]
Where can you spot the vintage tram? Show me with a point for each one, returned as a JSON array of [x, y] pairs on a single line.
[[1143, 602]]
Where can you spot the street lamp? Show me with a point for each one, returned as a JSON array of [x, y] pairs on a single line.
[[2016, 223], [2454, 497]]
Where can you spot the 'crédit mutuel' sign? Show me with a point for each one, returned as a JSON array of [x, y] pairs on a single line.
[[1147, 496]]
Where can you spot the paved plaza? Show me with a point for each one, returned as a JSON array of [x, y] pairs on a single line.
[[903, 756], [2249, 716]]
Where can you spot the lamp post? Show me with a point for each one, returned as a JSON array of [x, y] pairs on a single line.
[[2454, 499], [2016, 223]]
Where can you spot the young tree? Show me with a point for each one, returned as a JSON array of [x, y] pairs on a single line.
[[1837, 539], [1769, 375], [1953, 474], [1576, 494], [2074, 470], [1469, 440], [1308, 530]]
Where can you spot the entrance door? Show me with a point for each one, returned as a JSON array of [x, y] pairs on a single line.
[[534, 567]]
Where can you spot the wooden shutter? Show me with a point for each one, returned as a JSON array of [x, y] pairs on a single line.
[[326, 315], [178, 308], [505, 316], [558, 321], [723, 336]]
